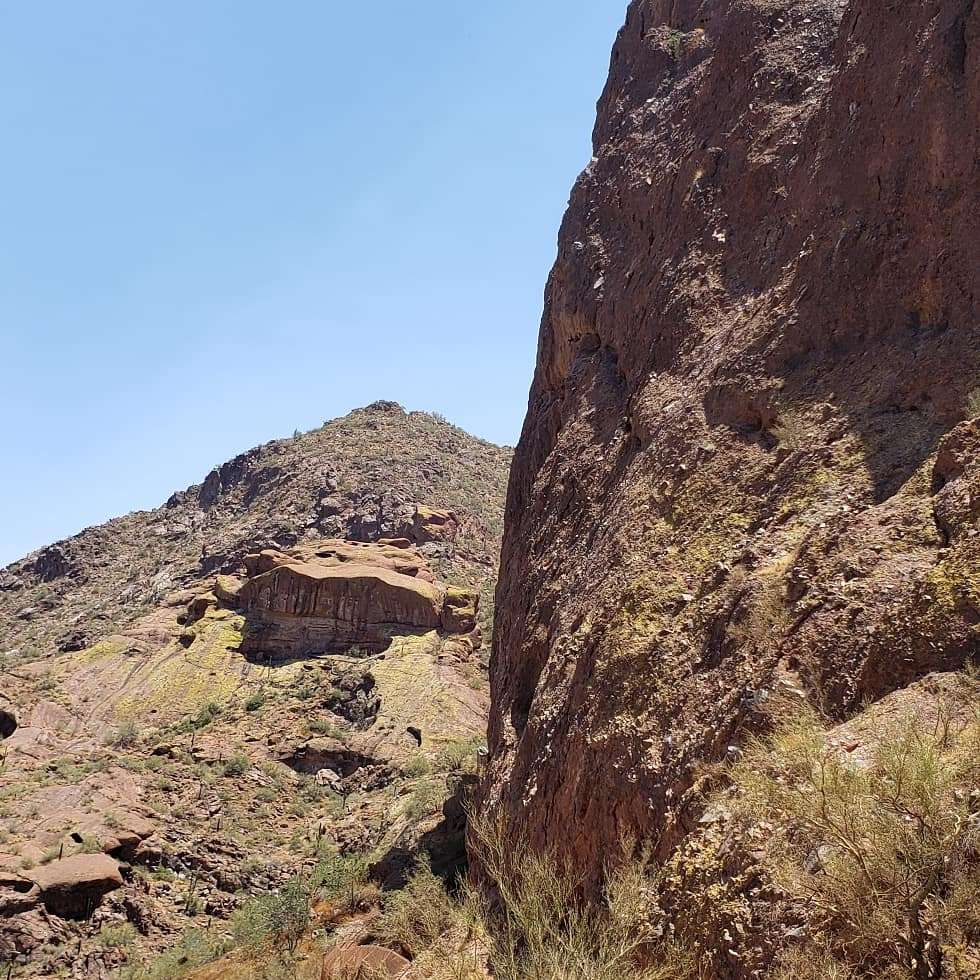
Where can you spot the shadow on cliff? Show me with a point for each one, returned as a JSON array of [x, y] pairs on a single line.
[[898, 392]]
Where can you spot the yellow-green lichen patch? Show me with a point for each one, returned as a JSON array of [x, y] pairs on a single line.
[[954, 583], [102, 650], [176, 682], [416, 690]]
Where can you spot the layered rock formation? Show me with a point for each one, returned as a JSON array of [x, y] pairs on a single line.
[[336, 595], [750, 456]]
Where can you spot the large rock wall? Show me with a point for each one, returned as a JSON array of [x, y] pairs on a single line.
[[746, 460]]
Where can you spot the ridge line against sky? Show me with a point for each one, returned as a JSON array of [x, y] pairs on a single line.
[[231, 221]]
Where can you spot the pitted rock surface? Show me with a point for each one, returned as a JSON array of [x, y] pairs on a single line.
[[747, 454]]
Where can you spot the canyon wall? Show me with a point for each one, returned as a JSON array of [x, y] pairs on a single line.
[[750, 459]]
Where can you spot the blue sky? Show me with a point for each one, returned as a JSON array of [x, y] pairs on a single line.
[[224, 220]]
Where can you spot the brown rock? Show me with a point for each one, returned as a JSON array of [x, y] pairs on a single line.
[[744, 454], [333, 596], [72, 887], [17, 893], [459, 610], [227, 589], [432, 524], [366, 961]]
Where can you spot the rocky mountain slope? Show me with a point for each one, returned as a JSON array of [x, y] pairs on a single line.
[[750, 460], [375, 473], [280, 669]]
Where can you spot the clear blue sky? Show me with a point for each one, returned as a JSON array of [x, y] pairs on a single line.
[[223, 220]]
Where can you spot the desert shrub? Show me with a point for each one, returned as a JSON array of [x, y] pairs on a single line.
[[255, 701], [251, 923], [883, 849], [426, 798], [290, 912], [237, 765], [206, 714], [117, 936], [542, 928], [125, 736], [195, 949], [89, 844], [417, 766], [320, 726], [415, 917], [340, 876], [284, 914], [459, 756]]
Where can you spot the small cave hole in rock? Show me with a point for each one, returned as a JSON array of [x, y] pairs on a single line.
[[415, 733], [8, 723]]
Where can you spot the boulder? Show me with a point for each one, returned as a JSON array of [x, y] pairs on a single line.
[[17, 893], [366, 961], [432, 524], [73, 887], [198, 607], [459, 610], [128, 833], [227, 589]]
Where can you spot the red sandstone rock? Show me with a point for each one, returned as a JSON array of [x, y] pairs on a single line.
[[334, 595], [309, 608]]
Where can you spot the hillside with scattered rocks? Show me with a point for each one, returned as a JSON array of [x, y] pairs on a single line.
[[282, 668]]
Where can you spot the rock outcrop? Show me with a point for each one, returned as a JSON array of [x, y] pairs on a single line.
[[747, 456], [332, 596], [72, 887]]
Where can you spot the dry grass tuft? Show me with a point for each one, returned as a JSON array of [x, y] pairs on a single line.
[[883, 849]]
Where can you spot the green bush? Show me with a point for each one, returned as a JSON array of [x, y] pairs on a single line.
[[339, 876], [414, 918], [320, 726], [237, 765], [207, 714], [125, 736], [284, 915], [427, 796], [537, 928], [417, 766], [882, 849], [117, 936], [195, 949], [459, 756], [255, 701]]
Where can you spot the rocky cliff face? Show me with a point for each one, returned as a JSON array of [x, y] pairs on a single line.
[[750, 459]]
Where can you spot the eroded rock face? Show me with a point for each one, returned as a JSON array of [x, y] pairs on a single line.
[[747, 452], [337, 595]]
